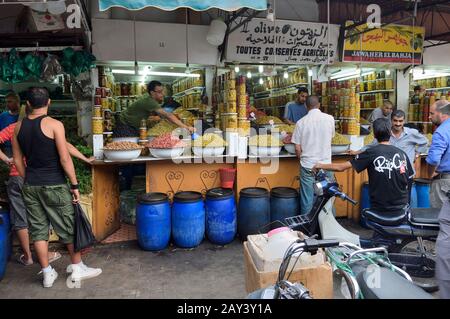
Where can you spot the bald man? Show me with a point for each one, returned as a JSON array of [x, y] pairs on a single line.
[[312, 138]]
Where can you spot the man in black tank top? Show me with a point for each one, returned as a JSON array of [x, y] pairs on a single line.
[[41, 140]]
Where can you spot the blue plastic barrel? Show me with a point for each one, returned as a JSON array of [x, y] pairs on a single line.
[[253, 212], [284, 203], [221, 216], [5, 241], [423, 192], [188, 219], [153, 221], [413, 202]]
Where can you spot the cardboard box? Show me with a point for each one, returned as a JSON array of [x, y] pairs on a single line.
[[319, 280], [44, 21]]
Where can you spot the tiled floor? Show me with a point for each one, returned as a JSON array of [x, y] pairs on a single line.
[[125, 233]]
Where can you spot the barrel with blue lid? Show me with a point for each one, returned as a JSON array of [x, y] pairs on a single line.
[[221, 223], [253, 212], [153, 221], [284, 203], [188, 219], [423, 192]]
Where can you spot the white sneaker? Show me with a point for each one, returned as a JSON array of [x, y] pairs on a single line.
[[83, 272], [49, 278]]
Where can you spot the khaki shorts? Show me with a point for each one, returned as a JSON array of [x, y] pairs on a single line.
[[49, 205]]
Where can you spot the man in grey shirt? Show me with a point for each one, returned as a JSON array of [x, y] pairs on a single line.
[[407, 139], [382, 112]]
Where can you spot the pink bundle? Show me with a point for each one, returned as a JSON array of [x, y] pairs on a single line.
[[166, 141]]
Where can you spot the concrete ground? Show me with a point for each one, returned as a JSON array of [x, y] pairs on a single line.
[[207, 272], [129, 272]]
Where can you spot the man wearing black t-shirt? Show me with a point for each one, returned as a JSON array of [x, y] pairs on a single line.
[[388, 167]]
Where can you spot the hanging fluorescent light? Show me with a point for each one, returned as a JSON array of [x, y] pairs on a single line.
[[175, 74], [428, 74], [236, 69], [285, 75], [261, 81], [261, 69], [249, 74]]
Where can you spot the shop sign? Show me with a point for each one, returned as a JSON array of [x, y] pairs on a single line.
[[283, 42], [388, 44]]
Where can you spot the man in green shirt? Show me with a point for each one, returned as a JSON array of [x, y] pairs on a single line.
[[146, 107]]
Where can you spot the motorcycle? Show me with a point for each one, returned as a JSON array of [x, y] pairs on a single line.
[[321, 221], [368, 273]]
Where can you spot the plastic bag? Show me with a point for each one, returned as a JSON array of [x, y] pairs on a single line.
[[84, 237], [51, 68]]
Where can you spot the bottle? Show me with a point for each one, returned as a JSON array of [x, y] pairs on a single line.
[[143, 130]]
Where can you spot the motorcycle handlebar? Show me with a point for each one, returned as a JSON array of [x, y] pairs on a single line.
[[343, 196]]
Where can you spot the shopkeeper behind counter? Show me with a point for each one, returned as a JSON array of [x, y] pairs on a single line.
[[145, 108]]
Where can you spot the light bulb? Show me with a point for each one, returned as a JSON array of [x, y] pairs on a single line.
[[286, 75], [411, 71], [249, 74], [388, 72], [236, 69], [261, 81], [310, 73], [261, 69]]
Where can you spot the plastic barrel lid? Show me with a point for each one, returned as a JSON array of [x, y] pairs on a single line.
[[187, 197], [284, 192], [422, 181], [217, 193], [152, 198], [254, 192]]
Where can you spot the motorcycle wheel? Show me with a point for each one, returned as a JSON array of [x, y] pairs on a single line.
[[411, 246]]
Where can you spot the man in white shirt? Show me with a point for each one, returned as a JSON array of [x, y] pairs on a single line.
[[312, 138]]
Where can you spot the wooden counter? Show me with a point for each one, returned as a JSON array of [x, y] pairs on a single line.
[[197, 174]]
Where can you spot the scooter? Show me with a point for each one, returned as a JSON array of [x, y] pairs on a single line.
[[369, 276], [397, 231], [368, 273]]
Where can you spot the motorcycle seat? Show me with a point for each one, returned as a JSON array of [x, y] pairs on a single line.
[[387, 218], [425, 215], [386, 284]]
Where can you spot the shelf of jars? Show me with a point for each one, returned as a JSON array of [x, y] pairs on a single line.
[[436, 88], [182, 85], [279, 82], [292, 87], [193, 90], [376, 91], [231, 103]]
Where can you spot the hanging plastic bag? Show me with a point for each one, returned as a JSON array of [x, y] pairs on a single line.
[[51, 68], [33, 63], [84, 237]]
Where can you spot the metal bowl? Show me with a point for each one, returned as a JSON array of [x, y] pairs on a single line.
[[265, 151], [122, 155], [339, 149], [167, 152]]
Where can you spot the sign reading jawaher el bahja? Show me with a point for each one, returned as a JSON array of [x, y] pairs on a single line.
[[283, 42], [389, 44]]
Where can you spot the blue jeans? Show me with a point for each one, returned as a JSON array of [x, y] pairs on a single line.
[[307, 181]]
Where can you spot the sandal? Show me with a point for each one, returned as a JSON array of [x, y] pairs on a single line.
[[56, 256], [23, 261]]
